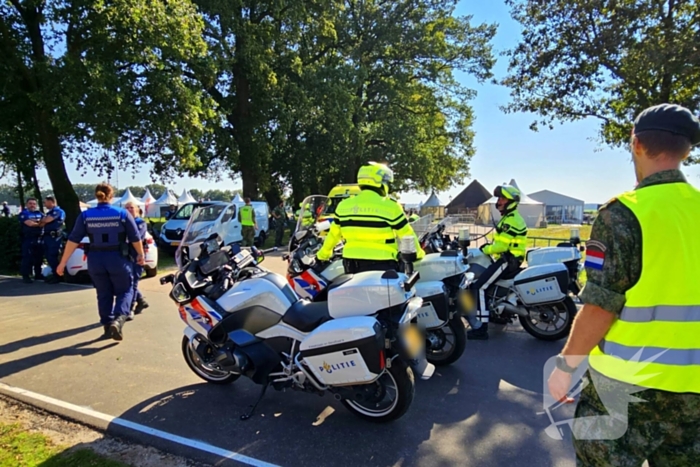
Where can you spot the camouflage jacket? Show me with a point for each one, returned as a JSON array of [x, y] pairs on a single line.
[[617, 236]]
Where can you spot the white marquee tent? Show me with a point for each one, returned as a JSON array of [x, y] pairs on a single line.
[[167, 199], [151, 208], [186, 197], [532, 211], [128, 197], [237, 199]]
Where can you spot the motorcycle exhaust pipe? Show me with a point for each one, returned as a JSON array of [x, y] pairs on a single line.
[[515, 309]]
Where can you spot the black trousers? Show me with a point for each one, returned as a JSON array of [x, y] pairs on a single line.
[[356, 266]]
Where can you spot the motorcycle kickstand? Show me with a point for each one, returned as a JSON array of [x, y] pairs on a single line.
[[246, 416]]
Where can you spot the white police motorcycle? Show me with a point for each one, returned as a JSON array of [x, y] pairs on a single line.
[[362, 345], [442, 276]]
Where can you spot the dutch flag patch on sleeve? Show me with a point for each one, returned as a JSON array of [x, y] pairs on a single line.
[[595, 255]]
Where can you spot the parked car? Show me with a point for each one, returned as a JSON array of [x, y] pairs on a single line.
[[77, 263], [216, 216]]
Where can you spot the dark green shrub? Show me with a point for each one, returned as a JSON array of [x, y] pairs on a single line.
[[10, 246]]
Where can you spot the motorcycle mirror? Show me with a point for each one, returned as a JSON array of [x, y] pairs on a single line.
[[300, 235]]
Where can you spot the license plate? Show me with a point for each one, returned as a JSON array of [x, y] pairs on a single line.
[[466, 300], [414, 340], [175, 243]]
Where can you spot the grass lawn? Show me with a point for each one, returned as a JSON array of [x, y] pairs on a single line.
[[19, 448]]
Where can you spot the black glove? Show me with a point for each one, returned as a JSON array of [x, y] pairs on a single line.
[[483, 246]]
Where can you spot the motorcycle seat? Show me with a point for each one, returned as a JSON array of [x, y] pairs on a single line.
[[306, 316], [340, 280], [511, 274]]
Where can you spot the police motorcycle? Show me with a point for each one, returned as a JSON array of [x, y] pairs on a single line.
[[442, 276], [362, 345], [537, 295]]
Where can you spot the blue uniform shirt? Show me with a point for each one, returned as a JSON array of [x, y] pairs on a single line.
[[141, 227], [59, 217], [30, 232], [107, 227]]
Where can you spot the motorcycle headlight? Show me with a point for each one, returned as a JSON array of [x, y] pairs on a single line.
[[179, 293], [296, 266], [467, 279]]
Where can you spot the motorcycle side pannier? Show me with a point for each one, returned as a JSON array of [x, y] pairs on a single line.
[[345, 351], [542, 284]]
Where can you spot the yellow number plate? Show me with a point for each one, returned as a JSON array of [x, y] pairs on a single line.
[[466, 300], [175, 243], [414, 340]]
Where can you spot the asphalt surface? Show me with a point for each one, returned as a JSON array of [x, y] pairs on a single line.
[[484, 410]]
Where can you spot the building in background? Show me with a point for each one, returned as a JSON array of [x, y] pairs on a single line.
[[560, 209]]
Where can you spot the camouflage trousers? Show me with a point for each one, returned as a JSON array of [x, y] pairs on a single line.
[[647, 424], [248, 232]]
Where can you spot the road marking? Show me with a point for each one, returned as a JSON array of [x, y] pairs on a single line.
[[84, 286], [191, 443]]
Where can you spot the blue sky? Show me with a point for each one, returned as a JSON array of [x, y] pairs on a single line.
[[566, 159]]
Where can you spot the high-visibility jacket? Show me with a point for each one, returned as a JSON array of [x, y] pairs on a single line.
[[371, 226], [511, 235], [413, 218], [247, 216], [654, 343]]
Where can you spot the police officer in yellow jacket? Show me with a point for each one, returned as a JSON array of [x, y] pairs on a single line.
[[508, 249], [641, 315], [371, 224]]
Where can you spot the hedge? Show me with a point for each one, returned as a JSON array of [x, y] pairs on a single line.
[[10, 245]]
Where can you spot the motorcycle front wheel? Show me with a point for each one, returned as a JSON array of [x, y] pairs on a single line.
[[386, 399], [550, 322], [208, 374], [445, 345]]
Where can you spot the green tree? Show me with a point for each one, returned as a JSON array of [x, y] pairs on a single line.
[[102, 83], [603, 59], [384, 91]]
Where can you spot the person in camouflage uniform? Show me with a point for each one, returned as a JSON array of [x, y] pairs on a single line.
[[660, 426], [280, 222]]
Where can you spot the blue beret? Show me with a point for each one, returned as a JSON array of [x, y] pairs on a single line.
[[669, 117]]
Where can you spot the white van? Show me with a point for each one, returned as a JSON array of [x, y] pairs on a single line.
[[223, 219]]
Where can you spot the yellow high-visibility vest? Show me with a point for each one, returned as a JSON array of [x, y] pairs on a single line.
[[655, 342], [247, 216]]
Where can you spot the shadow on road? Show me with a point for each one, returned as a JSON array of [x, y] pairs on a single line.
[[482, 411], [14, 287], [44, 339], [77, 350]]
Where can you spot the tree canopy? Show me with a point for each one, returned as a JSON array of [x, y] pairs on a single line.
[[604, 59]]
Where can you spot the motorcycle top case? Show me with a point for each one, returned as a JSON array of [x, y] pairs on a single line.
[[553, 254], [345, 351], [542, 284], [367, 292], [436, 267]]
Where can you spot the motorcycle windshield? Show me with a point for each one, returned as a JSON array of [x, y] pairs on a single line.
[[444, 223], [199, 228], [314, 211]]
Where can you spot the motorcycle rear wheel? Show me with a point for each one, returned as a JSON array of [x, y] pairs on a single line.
[[453, 336], [399, 380], [567, 308], [207, 374]]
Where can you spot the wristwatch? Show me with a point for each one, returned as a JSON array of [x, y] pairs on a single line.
[[563, 366]]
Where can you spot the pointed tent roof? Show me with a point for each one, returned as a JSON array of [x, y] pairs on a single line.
[[237, 198], [524, 199], [186, 197], [128, 197], [432, 201], [168, 198], [471, 197], [148, 197]]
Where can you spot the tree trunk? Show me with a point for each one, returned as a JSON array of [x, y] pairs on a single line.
[[35, 185], [66, 196], [20, 188]]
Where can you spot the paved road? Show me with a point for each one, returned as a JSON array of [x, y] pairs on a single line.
[[482, 411]]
